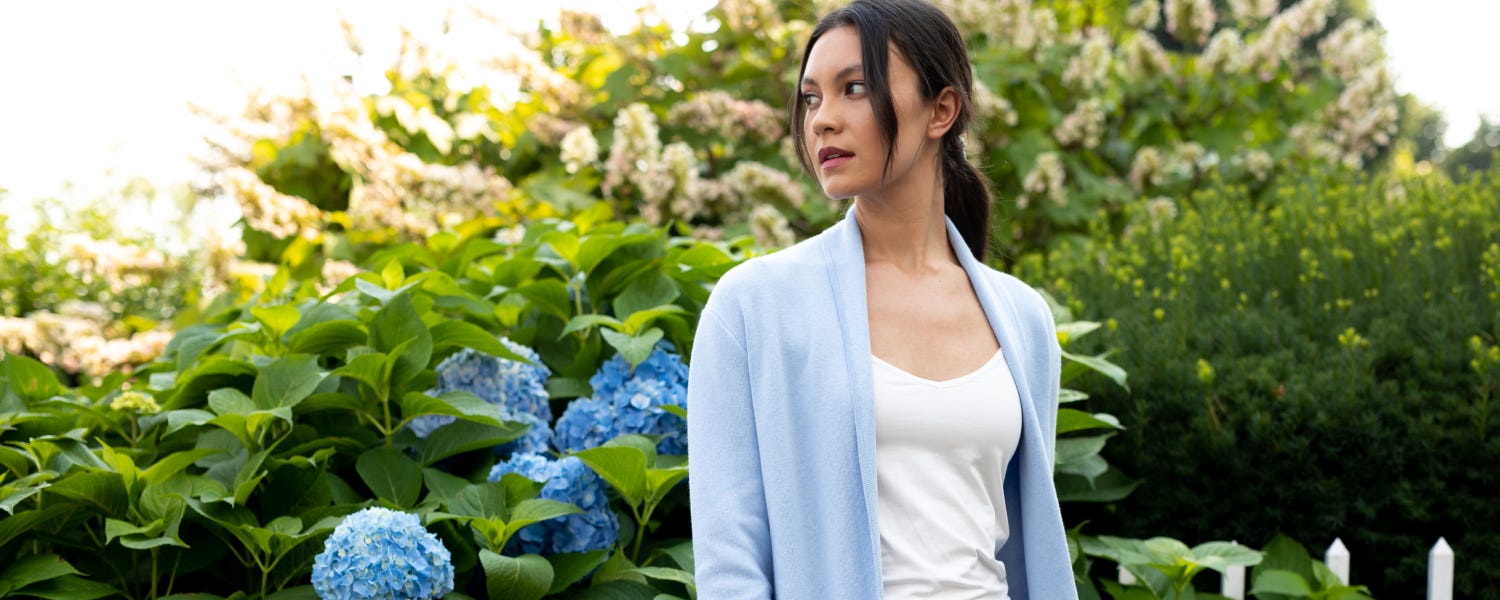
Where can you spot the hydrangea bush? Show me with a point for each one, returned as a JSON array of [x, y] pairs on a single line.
[[381, 554], [517, 387], [630, 401], [568, 480]]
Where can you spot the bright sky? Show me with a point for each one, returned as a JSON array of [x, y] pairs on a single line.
[[95, 87]]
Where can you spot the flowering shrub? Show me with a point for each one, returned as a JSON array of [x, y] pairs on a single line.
[[627, 401], [1273, 342], [383, 554], [517, 387], [565, 480]]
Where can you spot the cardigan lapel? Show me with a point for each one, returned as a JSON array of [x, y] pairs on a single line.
[[846, 273], [1002, 316]]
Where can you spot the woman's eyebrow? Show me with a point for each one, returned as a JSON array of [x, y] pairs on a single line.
[[843, 73]]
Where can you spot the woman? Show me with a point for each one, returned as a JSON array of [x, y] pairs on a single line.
[[871, 412]]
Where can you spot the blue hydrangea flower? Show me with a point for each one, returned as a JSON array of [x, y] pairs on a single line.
[[518, 387], [536, 440], [629, 402], [384, 554], [564, 480]]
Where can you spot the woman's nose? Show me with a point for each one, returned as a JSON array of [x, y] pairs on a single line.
[[824, 118]]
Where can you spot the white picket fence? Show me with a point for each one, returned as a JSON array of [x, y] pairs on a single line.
[[1439, 571]]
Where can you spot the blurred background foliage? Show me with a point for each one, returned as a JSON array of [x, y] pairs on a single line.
[[1233, 185]]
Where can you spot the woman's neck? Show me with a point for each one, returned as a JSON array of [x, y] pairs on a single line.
[[905, 228]]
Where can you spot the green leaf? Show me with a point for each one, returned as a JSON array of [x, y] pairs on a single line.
[[1078, 364], [665, 574], [13, 526], [568, 569], [1074, 449], [464, 436], [285, 382], [391, 475], [327, 337], [30, 378], [661, 481], [582, 322], [464, 334], [650, 290], [616, 590], [230, 401], [537, 510], [368, 369], [1286, 554], [623, 467], [1277, 581], [187, 417], [175, 462], [637, 348], [301, 592], [394, 325], [277, 319], [1222, 555], [1070, 420], [69, 587], [565, 244], [481, 500], [34, 569], [462, 405], [595, 249], [642, 318], [526, 577], [549, 296], [1066, 395], [441, 486]]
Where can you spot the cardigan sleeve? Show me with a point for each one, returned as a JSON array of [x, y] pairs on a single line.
[[1052, 354], [731, 535]]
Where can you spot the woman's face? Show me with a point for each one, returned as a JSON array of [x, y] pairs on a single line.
[[839, 126]]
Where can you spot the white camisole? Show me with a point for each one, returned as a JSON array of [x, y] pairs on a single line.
[[941, 448]]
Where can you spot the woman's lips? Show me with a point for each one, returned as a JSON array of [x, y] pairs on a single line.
[[836, 161]]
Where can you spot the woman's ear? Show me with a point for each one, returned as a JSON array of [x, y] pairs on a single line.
[[945, 109]]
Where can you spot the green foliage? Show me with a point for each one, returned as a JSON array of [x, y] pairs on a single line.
[[1289, 572], [225, 464], [1316, 362]]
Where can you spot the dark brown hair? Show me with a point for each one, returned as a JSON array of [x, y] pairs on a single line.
[[931, 43]]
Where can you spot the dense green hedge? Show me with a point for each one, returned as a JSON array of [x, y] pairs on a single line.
[[1318, 359]]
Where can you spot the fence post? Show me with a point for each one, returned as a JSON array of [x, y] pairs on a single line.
[[1126, 577], [1337, 559], [1440, 571], [1233, 582]]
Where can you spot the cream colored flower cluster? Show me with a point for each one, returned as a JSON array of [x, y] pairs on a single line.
[[1144, 58], [1225, 54], [1145, 14], [1018, 24], [79, 339], [395, 188], [1279, 41], [267, 209], [1088, 68], [719, 113], [579, 149], [1084, 125], [770, 227], [1252, 11], [1191, 20], [1048, 178], [115, 266]]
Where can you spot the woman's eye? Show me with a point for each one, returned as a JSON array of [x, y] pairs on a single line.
[[856, 87], [809, 99]]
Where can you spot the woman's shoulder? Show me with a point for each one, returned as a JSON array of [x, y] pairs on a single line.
[[786, 274]]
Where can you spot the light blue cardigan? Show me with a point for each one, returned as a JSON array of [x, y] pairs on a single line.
[[782, 431]]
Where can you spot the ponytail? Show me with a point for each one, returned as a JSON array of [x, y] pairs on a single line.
[[966, 196]]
